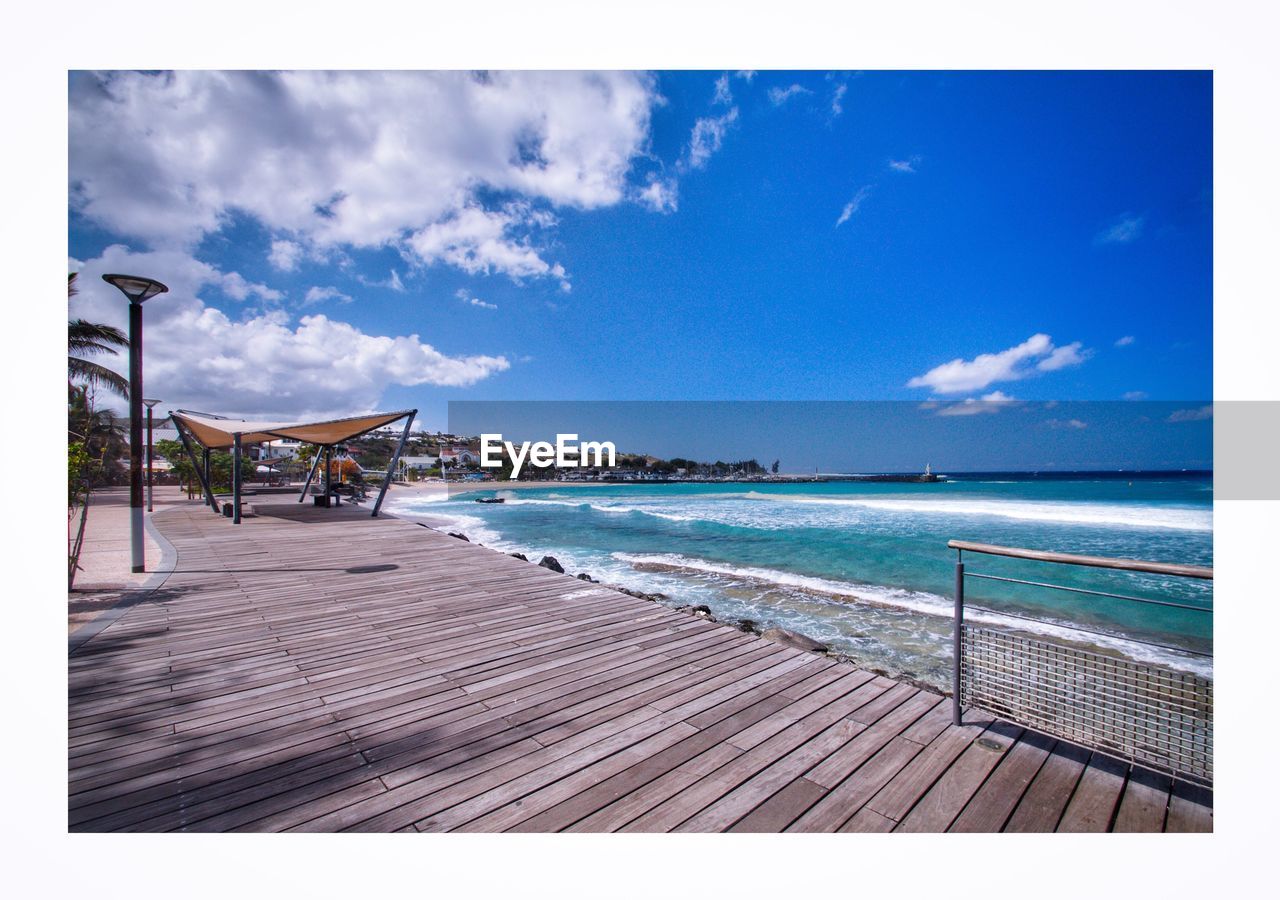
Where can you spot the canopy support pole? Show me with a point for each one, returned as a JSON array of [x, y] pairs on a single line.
[[310, 475], [202, 474], [208, 500], [235, 481], [395, 461]]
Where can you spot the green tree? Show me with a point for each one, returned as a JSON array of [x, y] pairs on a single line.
[[91, 339]]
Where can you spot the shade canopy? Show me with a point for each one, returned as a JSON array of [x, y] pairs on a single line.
[[217, 433]]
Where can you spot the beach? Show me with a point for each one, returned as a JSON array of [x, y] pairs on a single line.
[[864, 567]]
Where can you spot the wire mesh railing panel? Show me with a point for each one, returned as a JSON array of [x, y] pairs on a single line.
[[1149, 715]]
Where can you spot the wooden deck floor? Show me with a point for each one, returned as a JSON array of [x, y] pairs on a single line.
[[319, 670]]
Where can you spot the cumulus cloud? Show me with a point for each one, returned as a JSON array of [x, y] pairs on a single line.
[[988, 403], [1036, 353], [318, 294], [708, 136], [1072, 354], [263, 363], [1125, 341], [360, 159], [853, 205], [1198, 414], [285, 255], [465, 296], [1125, 229], [477, 240], [780, 95], [660, 195]]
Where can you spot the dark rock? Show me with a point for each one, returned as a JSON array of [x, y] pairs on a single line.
[[657, 596], [750, 626], [550, 562], [461, 537], [791, 639], [519, 556], [701, 610], [583, 576]]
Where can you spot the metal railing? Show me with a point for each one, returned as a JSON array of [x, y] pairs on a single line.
[[1133, 711]]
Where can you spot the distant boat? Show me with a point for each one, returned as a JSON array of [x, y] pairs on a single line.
[[491, 500]]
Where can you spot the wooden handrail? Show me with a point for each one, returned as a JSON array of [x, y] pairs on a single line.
[[1098, 562]]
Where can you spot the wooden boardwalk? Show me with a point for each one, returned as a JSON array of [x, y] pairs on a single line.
[[319, 670]]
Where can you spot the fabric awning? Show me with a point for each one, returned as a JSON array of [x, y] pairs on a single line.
[[219, 434]]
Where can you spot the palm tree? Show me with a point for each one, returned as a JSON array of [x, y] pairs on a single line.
[[87, 339]]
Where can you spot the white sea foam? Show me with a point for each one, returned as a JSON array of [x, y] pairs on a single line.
[[1178, 518], [920, 602], [601, 507]]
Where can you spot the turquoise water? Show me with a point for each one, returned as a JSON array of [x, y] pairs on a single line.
[[865, 567]]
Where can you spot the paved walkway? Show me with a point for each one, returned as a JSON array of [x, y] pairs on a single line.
[[320, 670]]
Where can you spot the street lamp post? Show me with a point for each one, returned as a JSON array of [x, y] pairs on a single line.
[[139, 291], [151, 462]]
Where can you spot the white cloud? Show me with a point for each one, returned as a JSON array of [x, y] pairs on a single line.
[[237, 288], [660, 195], [745, 74], [837, 99], [264, 363], [1135, 395], [905, 166], [723, 95], [1072, 354], [1073, 424], [477, 241], [1199, 414], [989, 403], [708, 136], [74, 265], [779, 96], [285, 255], [1125, 341], [321, 294], [1036, 353], [391, 282], [1125, 229], [361, 159], [853, 205], [465, 297]]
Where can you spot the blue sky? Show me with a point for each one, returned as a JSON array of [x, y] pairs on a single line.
[[936, 237]]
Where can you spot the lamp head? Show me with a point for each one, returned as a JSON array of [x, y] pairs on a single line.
[[138, 290], [149, 403]]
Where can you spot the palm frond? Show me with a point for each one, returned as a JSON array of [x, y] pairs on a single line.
[[96, 375], [91, 337]]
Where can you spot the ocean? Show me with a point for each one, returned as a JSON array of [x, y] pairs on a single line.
[[864, 567]]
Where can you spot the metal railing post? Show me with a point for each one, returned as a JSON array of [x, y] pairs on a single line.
[[957, 643]]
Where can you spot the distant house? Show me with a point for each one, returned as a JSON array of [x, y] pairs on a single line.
[[279, 449], [419, 463], [459, 456]]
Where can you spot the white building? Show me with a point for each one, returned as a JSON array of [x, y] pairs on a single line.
[[419, 463]]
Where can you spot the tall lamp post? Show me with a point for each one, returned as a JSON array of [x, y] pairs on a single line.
[[151, 462], [139, 291]]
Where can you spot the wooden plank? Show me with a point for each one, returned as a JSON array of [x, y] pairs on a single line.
[[1041, 807], [993, 804], [1190, 809], [1145, 802], [1093, 804], [940, 806], [276, 683]]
